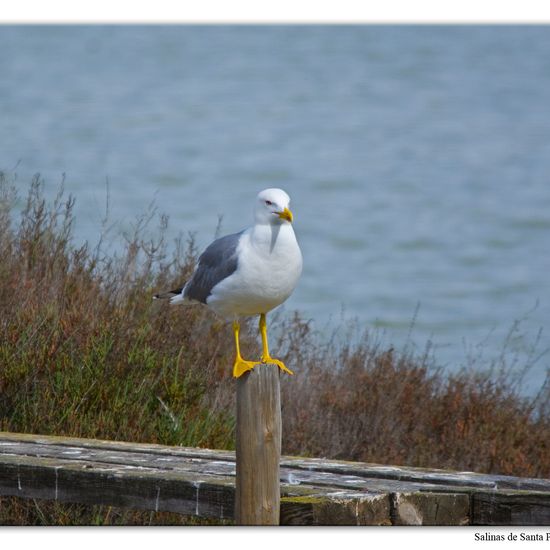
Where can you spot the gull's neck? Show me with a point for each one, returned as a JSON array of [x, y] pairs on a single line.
[[270, 234]]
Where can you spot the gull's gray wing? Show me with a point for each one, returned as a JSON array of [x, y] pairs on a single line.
[[215, 264]]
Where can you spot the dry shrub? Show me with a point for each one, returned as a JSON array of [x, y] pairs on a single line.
[[85, 351], [360, 402]]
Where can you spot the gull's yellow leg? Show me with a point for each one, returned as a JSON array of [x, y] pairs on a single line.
[[266, 358], [240, 366]]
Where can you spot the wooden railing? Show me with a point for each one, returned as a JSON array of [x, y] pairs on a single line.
[[314, 491]]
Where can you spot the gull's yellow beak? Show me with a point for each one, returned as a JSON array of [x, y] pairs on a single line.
[[286, 214]]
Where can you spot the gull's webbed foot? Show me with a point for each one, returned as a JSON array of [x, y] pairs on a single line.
[[280, 364], [241, 366]]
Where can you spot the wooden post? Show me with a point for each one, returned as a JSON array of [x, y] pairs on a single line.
[[258, 491]]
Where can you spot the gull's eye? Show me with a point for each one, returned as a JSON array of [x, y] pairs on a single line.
[[269, 203]]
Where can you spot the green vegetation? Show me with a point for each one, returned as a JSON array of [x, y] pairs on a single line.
[[84, 351]]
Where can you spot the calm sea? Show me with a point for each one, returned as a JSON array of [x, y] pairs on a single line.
[[417, 158]]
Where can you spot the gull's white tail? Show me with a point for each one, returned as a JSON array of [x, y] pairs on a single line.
[[175, 296]]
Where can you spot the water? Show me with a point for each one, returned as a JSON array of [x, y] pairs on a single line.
[[417, 158]]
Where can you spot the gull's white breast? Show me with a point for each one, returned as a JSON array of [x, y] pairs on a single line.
[[269, 266]]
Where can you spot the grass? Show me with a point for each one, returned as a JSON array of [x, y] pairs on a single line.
[[84, 351]]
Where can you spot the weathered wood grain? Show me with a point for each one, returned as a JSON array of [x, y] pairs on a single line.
[[258, 452], [422, 508], [130, 487], [510, 508], [313, 491], [339, 467], [407, 473], [339, 508]]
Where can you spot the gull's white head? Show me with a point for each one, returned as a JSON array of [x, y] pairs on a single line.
[[272, 207]]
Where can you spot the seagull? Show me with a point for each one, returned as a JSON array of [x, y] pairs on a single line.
[[248, 273]]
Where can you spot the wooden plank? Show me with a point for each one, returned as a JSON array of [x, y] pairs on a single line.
[[314, 491], [289, 475], [404, 473], [339, 467], [510, 508], [123, 457], [127, 486], [212, 496], [338, 508], [258, 452], [423, 508], [124, 486], [7, 438]]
